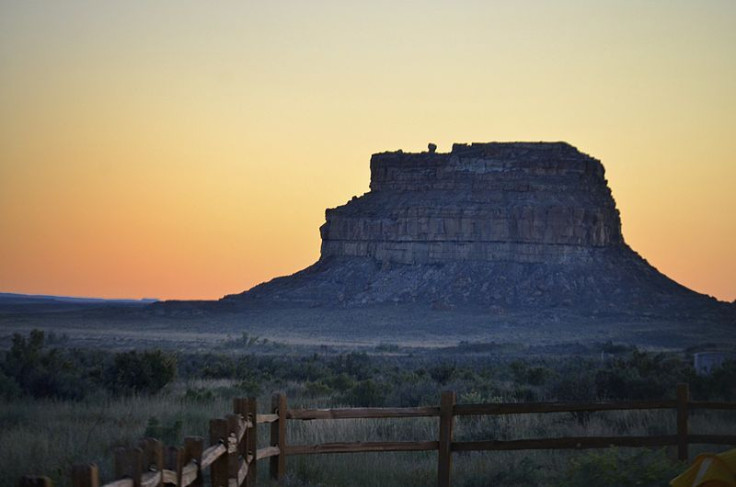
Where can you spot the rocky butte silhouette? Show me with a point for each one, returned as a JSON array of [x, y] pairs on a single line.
[[488, 237]]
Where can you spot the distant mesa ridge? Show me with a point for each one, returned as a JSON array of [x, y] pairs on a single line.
[[525, 226]]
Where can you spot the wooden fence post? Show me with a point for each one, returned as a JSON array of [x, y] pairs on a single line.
[[174, 461], [152, 451], [683, 396], [278, 437], [193, 448], [233, 448], [35, 481], [129, 463], [85, 475], [444, 457], [219, 468], [251, 446], [241, 409]]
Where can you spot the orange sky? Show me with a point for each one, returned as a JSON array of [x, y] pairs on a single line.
[[188, 149]]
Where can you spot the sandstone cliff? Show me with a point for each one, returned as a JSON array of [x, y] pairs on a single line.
[[495, 233], [518, 202]]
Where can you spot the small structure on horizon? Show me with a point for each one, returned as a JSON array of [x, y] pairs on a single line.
[[706, 362]]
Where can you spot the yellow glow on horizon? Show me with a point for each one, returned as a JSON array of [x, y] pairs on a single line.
[[180, 150]]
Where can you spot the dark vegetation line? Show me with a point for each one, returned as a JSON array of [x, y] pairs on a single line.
[[33, 367]]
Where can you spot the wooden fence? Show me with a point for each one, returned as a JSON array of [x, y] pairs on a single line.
[[232, 454]]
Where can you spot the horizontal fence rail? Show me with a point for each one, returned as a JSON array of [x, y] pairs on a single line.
[[362, 413], [553, 407], [232, 452]]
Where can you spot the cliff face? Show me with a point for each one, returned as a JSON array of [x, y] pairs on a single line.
[[517, 202], [491, 231]]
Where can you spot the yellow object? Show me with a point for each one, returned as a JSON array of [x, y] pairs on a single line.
[[709, 470]]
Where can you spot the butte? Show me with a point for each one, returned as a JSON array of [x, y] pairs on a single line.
[[489, 242]]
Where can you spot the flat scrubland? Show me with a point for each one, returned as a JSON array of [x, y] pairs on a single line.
[[62, 405], [190, 327]]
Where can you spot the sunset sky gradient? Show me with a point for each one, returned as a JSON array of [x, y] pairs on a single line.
[[181, 149]]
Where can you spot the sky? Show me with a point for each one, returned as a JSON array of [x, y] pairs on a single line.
[[188, 150]]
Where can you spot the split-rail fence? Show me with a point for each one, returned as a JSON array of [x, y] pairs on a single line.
[[232, 454]]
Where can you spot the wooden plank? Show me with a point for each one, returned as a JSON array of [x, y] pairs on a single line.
[[362, 413], [129, 463], [557, 407], [711, 405], [170, 477], [193, 448], [241, 427], [242, 472], [189, 474], [152, 451], [240, 408], [251, 442], [219, 467], [35, 481], [277, 463], [85, 475], [267, 418], [213, 453], [267, 452], [360, 447], [582, 442], [234, 427], [712, 439], [173, 463], [683, 396], [444, 457], [151, 479], [120, 483]]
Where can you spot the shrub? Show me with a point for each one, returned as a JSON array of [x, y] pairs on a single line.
[[146, 372], [355, 364], [443, 372], [198, 394], [366, 393], [341, 382], [169, 434], [641, 376], [9, 389], [30, 369], [719, 384], [316, 388]]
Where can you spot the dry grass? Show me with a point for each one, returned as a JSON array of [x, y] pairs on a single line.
[[44, 437], [48, 437]]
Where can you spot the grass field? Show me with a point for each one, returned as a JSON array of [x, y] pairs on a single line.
[[49, 436], [61, 406]]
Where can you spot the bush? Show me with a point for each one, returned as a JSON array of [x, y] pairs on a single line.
[[30, 369], [354, 364], [169, 434], [146, 372], [198, 394], [366, 393], [641, 376], [9, 389], [719, 384], [316, 389]]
